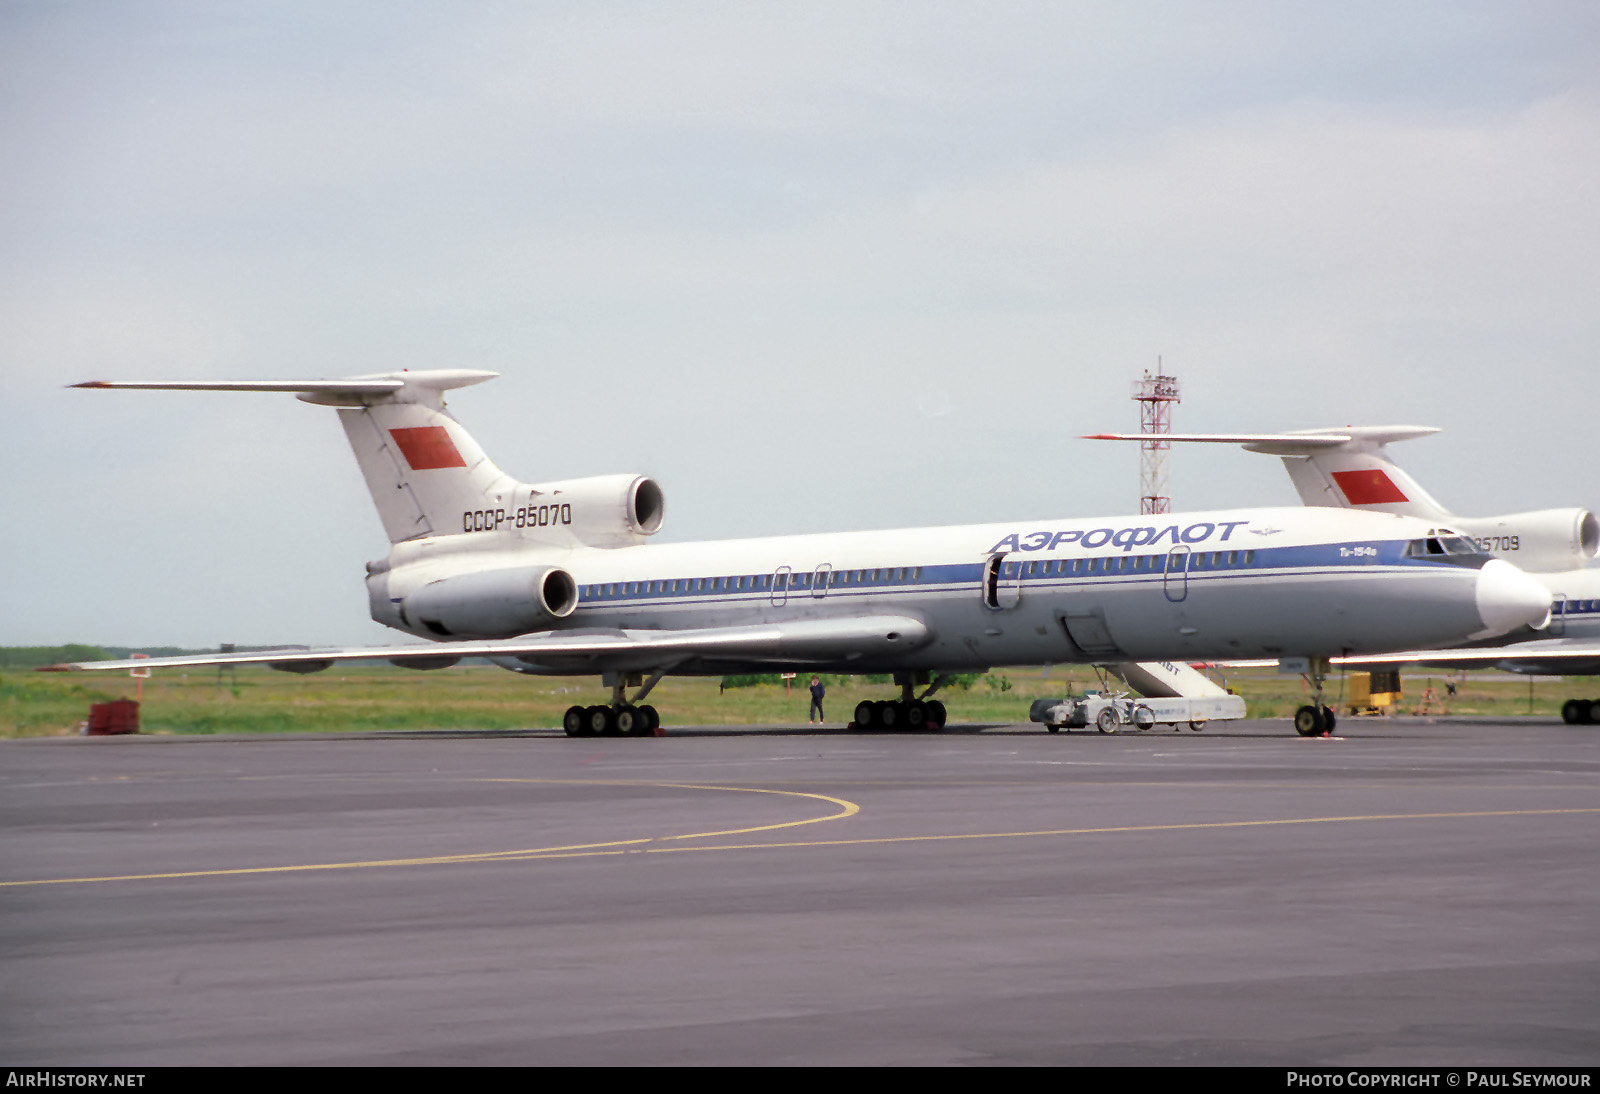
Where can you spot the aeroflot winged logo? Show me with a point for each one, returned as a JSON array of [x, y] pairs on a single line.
[[1368, 487], [428, 447]]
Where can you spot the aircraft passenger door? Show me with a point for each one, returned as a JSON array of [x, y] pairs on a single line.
[[780, 585], [1558, 616], [820, 579], [1177, 579], [1002, 582]]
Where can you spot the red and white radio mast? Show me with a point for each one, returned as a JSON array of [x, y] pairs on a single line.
[[1155, 396]]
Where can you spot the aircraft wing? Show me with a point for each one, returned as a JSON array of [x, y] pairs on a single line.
[[1543, 657], [804, 641]]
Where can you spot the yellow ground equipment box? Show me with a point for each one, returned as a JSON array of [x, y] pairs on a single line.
[[1373, 692]]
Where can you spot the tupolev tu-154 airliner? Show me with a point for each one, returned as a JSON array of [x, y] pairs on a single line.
[[557, 578]]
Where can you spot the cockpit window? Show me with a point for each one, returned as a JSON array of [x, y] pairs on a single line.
[[1447, 547]]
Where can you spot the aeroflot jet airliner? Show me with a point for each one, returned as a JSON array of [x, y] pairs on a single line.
[[555, 578]]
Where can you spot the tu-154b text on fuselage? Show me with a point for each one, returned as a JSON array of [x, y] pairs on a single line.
[[560, 578]]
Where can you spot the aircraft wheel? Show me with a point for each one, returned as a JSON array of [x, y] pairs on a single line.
[[652, 721], [936, 712], [596, 720], [1052, 729], [572, 722], [888, 715], [916, 713], [866, 715], [1107, 721], [1308, 722], [628, 720], [1197, 724], [1594, 711], [1329, 719], [1143, 717], [1575, 712]]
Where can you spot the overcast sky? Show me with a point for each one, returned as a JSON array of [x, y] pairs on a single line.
[[815, 266]]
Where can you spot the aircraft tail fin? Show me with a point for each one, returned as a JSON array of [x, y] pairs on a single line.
[[423, 469], [1345, 468]]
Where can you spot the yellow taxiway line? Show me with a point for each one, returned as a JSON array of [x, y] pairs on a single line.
[[845, 809]]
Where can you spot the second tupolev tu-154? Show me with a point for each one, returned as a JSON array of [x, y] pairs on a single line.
[[1349, 467]]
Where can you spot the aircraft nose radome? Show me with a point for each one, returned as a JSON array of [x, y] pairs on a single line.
[[1509, 598]]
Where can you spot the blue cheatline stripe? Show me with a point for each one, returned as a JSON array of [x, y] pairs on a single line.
[[1098, 571]]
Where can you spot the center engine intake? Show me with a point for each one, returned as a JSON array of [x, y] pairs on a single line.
[[608, 510]]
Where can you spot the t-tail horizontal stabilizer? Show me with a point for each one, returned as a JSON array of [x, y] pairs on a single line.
[[429, 477], [1350, 468], [422, 468], [1345, 468]]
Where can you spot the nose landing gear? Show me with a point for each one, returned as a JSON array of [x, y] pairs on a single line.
[[1316, 719]]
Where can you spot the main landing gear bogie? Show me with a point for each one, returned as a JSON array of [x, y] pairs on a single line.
[[1581, 712], [892, 715], [621, 717], [910, 713], [626, 720]]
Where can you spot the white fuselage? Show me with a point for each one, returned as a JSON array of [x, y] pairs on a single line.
[[1234, 584]]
